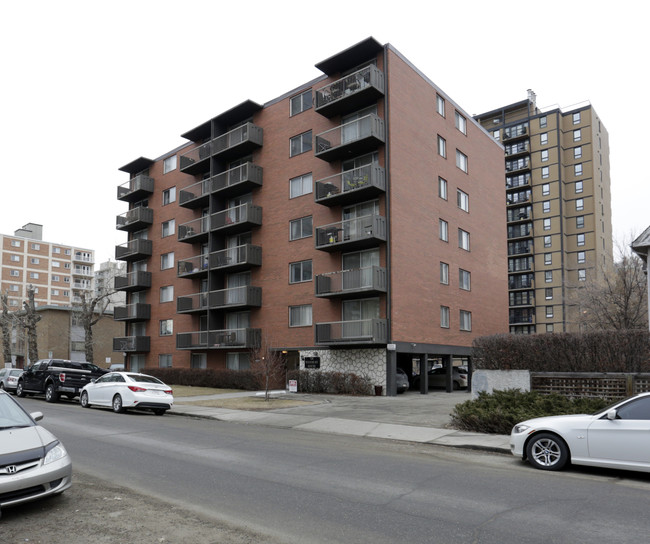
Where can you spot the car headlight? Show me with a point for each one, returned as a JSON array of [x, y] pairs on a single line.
[[518, 429], [55, 451]]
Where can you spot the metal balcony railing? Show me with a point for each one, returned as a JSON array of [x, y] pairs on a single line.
[[238, 218], [135, 219], [131, 344], [362, 331], [133, 250], [350, 186], [219, 339], [135, 189], [195, 230], [359, 233], [236, 258], [132, 312], [350, 92], [193, 267], [353, 138], [133, 281], [370, 279]]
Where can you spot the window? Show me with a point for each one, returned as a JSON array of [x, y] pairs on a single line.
[[301, 185], [165, 360], [169, 164], [547, 224], [577, 169], [579, 187], [15, 243], [546, 206], [300, 228], [444, 273], [549, 311], [463, 239], [66, 265], [36, 247], [546, 189], [577, 135], [548, 293], [443, 230], [442, 188], [577, 152], [581, 257], [548, 276], [580, 222], [56, 264], [35, 260], [440, 105], [166, 327], [543, 138], [462, 199], [56, 250], [545, 172], [301, 102], [300, 144], [67, 251], [14, 258], [548, 258], [55, 292], [300, 271], [300, 316], [461, 160], [167, 293], [576, 118], [442, 146], [549, 327], [496, 135], [66, 279], [461, 123], [542, 122], [544, 155], [464, 279], [582, 274], [167, 261], [13, 288], [444, 317], [169, 196], [580, 204], [238, 361], [465, 320], [15, 273], [168, 228], [33, 275]]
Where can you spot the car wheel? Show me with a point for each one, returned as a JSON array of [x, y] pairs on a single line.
[[456, 386], [547, 451], [20, 391], [83, 400], [159, 411], [50, 393], [117, 404]]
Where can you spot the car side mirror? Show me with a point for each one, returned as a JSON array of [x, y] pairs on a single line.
[[37, 416], [611, 414]]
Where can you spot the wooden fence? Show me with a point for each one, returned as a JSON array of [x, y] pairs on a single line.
[[610, 386]]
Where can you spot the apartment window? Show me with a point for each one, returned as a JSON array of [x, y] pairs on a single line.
[[444, 273], [462, 200], [13, 288], [579, 187], [67, 251], [576, 118], [549, 327], [15, 243], [548, 293], [56, 250], [33, 275], [301, 185], [580, 204], [545, 172], [548, 276], [496, 135], [15, 258], [66, 279], [577, 169], [55, 292], [167, 293], [580, 222], [14, 273], [546, 206], [300, 228], [443, 228], [168, 228], [542, 122], [581, 257], [461, 160], [464, 279], [166, 327], [544, 155], [169, 164], [56, 264], [442, 146], [577, 152], [66, 265], [465, 320], [34, 260], [440, 105], [36, 247], [300, 144], [548, 258], [300, 271], [546, 189], [463, 239], [543, 138], [167, 261], [577, 135], [461, 123], [300, 316], [549, 311], [547, 224], [582, 274], [442, 188], [169, 196], [165, 360], [301, 102], [444, 317]]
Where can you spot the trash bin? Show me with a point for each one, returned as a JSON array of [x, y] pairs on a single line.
[[378, 390]]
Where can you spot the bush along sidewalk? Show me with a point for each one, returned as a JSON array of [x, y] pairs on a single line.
[[498, 412]]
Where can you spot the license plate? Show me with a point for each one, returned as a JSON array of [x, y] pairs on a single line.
[[68, 389]]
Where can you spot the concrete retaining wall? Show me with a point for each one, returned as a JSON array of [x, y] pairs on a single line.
[[498, 380]]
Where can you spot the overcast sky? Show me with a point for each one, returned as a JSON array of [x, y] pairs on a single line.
[[89, 86]]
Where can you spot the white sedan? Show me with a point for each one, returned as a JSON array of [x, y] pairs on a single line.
[[122, 390], [616, 437]]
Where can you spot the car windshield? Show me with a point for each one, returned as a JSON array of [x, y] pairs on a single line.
[[144, 379], [12, 415], [612, 405], [17, 372]]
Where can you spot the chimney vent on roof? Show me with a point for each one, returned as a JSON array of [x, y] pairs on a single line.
[[532, 97]]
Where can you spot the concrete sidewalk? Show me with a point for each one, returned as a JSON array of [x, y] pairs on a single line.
[[409, 417]]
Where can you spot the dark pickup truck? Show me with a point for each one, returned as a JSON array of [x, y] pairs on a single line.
[[55, 377]]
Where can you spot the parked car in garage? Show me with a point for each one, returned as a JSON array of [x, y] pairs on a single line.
[[616, 437], [9, 378], [128, 390], [438, 378], [33, 463], [402, 381]]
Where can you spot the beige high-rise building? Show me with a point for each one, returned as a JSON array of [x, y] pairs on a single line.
[[558, 210]]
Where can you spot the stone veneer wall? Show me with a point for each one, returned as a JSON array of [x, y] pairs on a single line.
[[370, 363]]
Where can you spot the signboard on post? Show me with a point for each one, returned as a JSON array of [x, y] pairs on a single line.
[[312, 362], [293, 386]]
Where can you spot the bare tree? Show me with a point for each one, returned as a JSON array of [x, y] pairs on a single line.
[[6, 324], [89, 312], [267, 365], [28, 319]]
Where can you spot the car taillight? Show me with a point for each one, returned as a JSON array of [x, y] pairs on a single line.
[[62, 377], [136, 389], [168, 391]]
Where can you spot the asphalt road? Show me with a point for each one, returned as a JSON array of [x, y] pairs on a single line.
[[302, 487]]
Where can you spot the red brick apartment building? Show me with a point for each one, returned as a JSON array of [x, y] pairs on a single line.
[[354, 223]]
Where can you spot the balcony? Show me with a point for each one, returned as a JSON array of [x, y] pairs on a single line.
[[133, 281], [83, 271], [236, 258], [195, 231], [133, 250], [351, 186], [352, 234], [363, 331], [512, 133], [354, 138], [193, 267], [350, 93], [196, 195], [188, 304], [81, 284], [236, 143], [135, 219], [517, 149], [221, 339], [370, 280], [135, 189], [518, 165], [237, 219], [132, 312], [132, 344]]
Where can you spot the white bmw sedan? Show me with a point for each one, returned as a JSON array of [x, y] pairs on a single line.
[[616, 437], [123, 390]]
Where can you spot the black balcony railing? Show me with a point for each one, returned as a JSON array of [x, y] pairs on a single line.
[[134, 250], [135, 219], [131, 344], [236, 219], [133, 281], [132, 312], [219, 339], [135, 189], [236, 258], [194, 231], [351, 92], [353, 138], [362, 331], [351, 186], [367, 280], [351, 234]]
